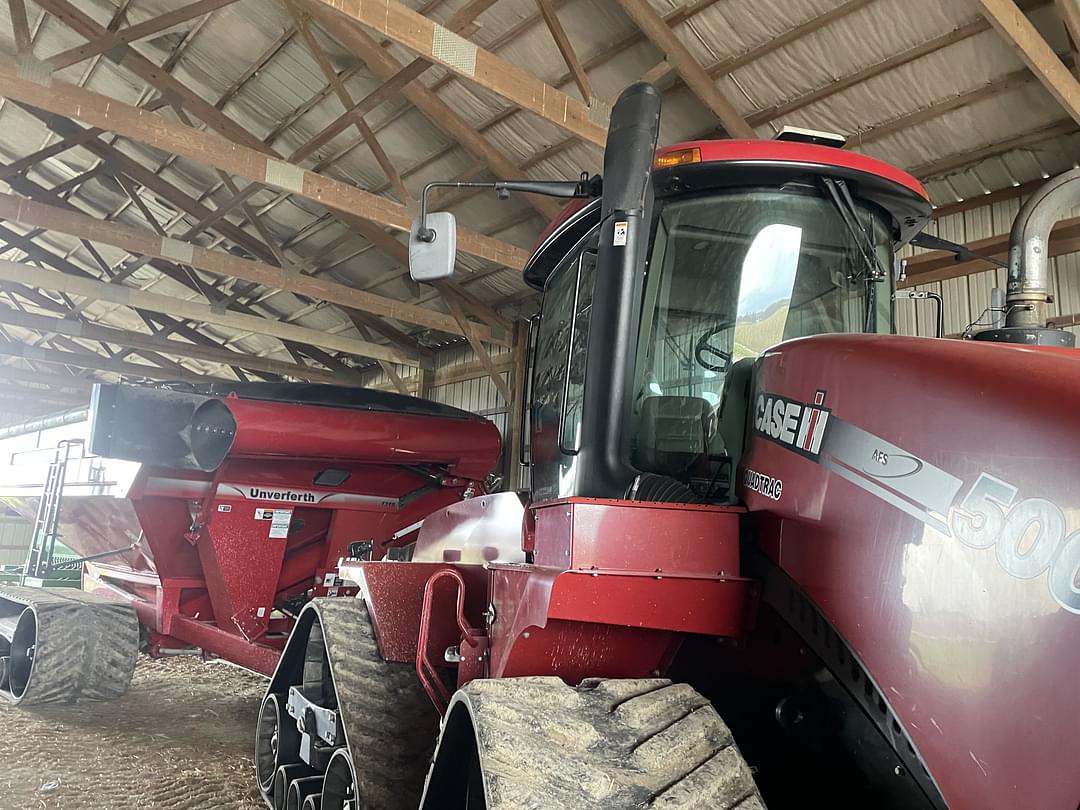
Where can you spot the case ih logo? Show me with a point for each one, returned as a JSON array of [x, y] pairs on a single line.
[[797, 426]]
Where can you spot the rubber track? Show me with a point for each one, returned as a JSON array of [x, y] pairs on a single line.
[[610, 744], [390, 723], [86, 645]]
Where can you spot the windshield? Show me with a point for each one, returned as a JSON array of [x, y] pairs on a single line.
[[731, 274]]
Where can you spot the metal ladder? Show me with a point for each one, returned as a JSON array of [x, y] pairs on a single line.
[[39, 560]]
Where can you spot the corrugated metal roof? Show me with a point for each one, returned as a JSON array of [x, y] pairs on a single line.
[[870, 68]]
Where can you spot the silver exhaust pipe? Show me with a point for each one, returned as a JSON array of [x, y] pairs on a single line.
[[1028, 290], [1029, 253]]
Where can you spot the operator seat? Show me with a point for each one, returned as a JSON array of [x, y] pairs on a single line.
[[673, 435], [733, 409]]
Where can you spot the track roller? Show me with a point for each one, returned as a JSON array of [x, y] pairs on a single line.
[[62, 646], [276, 738], [607, 744], [334, 701], [300, 789]]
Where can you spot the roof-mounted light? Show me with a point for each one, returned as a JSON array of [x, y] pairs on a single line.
[[814, 136], [678, 157]]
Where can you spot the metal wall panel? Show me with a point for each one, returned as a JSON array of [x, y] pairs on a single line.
[[967, 299], [15, 537]]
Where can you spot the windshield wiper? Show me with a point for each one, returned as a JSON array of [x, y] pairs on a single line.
[[874, 270]]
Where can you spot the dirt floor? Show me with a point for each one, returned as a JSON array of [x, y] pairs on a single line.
[[180, 739]]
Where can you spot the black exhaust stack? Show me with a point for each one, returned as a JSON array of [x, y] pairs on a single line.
[[604, 469]]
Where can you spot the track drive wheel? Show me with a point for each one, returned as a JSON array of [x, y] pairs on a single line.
[[59, 645], [335, 708], [611, 744]]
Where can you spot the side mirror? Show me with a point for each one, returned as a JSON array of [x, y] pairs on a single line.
[[432, 247]]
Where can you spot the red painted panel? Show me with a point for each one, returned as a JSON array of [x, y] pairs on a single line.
[[796, 152], [394, 593], [574, 651], [586, 533], [469, 446], [957, 617], [713, 607]]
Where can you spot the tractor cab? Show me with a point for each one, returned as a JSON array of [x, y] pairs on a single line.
[[660, 293]]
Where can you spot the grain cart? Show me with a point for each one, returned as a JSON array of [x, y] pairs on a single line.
[[749, 500], [246, 497]]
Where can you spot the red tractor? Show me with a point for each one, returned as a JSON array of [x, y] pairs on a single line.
[[734, 512], [749, 500]]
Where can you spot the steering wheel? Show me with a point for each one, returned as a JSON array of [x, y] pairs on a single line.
[[710, 357]]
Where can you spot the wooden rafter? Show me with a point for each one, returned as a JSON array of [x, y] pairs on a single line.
[[95, 362], [438, 112], [1040, 58], [137, 340], [954, 163], [134, 33], [193, 310], [695, 76], [222, 263], [442, 46], [566, 49], [20, 26], [151, 129], [1069, 12], [211, 115], [346, 99], [27, 187], [479, 349], [65, 381], [672, 19], [939, 265]]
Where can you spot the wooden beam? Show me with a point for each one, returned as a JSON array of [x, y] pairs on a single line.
[[982, 200], [254, 165], [562, 42], [1069, 12], [388, 368], [148, 243], [66, 381], [96, 362], [386, 66], [273, 50], [953, 163], [212, 116], [141, 341], [44, 394], [161, 80], [25, 186], [1064, 321], [133, 33], [347, 103], [695, 76], [442, 46], [939, 265], [479, 349], [20, 27], [897, 60], [1025, 39], [1009, 81], [194, 311]]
